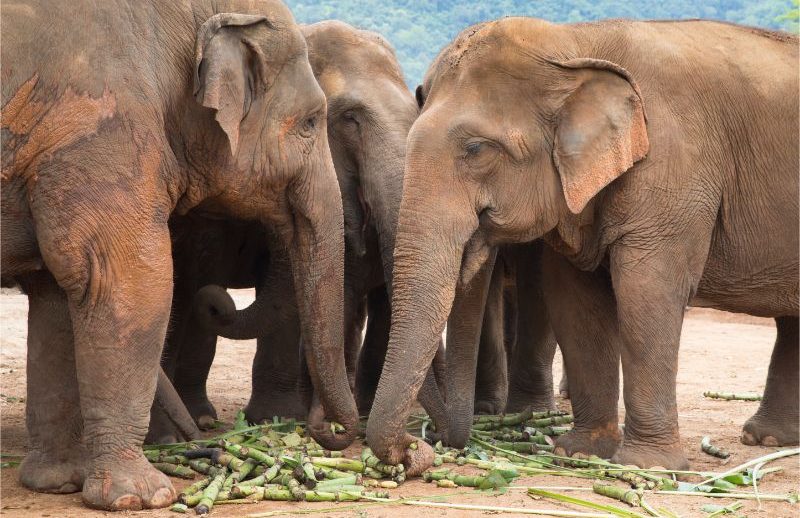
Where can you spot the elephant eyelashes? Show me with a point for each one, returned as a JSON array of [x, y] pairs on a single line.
[[473, 148]]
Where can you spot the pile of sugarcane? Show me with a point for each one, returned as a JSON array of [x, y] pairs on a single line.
[[274, 461], [277, 461]]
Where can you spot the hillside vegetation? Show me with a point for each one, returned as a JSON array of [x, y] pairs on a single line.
[[420, 28]]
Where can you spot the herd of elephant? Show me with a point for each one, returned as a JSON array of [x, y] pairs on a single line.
[[576, 184]]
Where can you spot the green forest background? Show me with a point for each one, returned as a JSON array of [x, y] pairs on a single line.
[[418, 29]]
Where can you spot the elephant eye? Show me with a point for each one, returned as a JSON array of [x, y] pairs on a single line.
[[309, 124], [473, 148]]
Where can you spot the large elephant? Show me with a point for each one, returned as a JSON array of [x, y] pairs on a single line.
[[370, 113], [658, 160], [150, 109]]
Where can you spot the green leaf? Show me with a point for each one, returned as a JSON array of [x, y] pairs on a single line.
[[493, 480], [292, 440], [241, 422]]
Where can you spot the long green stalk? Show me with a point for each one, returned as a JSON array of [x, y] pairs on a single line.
[[616, 511], [766, 458]]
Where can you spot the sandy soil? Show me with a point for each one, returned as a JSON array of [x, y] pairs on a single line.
[[718, 352]]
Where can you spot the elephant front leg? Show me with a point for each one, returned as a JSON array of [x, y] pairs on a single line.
[[463, 336], [277, 372], [652, 289], [776, 422], [56, 461], [583, 315], [120, 313], [491, 383]]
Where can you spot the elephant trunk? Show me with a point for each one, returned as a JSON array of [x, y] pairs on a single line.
[[317, 258], [427, 264], [216, 312]]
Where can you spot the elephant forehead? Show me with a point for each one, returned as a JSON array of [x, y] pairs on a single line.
[[332, 81]]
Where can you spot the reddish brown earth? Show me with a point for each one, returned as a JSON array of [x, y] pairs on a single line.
[[718, 352]]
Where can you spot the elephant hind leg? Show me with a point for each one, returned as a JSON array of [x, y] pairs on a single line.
[[776, 421], [55, 463]]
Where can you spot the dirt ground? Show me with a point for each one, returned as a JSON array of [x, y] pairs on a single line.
[[718, 352]]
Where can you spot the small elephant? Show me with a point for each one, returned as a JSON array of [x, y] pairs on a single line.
[[151, 109], [658, 160], [370, 110]]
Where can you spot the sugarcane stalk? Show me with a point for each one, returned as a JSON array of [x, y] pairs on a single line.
[[194, 488], [243, 452], [615, 511], [201, 466], [385, 484], [308, 473], [551, 421], [179, 508], [732, 396], [210, 493], [174, 470], [227, 460], [714, 451], [337, 482], [339, 463], [372, 473], [295, 489], [370, 460], [632, 497]]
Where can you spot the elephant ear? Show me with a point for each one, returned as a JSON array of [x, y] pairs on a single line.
[[601, 129], [230, 69]]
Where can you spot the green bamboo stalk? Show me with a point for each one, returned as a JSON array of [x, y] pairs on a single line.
[[707, 447], [629, 496], [210, 493], [731, 396], [174, 470]]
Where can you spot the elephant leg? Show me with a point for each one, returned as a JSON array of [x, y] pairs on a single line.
[[197, 352], [56, 461], [491, 381], [651, 290], [583, 316], [776, 421], [373, 352], [531, 374], [463, 336], [277, 375], [355, 314]]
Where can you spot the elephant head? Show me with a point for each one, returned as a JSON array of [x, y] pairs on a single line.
[[370, 111], [259, 124], [520, 130]]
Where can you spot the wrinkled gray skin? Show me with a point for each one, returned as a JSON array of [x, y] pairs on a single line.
[[658, 160], [370, 111], [115, 116]]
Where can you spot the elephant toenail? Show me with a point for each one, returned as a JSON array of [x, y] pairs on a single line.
[[162, 498], [127, 503], [770, 441]]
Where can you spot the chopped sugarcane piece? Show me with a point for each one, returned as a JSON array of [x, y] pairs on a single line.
[[372, 473], [731, 396], [227, 460], [385, 484], [192, 500], [179, 508], [551, 421], [338, 482], [629, 496], [210, 493], [446, 483], [174, 470], [492, 422], [339, 463], [308, 473], [243, 452], [295, 489], [201, 466], [712, 450], [370, 460], [529, 448], [324, 453], [194, 488]]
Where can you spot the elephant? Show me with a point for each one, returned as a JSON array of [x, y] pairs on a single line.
[[658, 161], [151, 109], [370, 112]]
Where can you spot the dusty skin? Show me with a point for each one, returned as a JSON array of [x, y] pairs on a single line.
[[719, 351]]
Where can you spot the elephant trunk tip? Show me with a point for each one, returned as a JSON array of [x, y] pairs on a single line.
[[214, 307], [332, 435]]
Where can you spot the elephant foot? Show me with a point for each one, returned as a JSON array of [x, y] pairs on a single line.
[[489, 406], [646, 456], [203, 413], [127, 483], [281, 405], [770, 431], [602, 442], [54, 473], [536, 403], [563, 387]]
